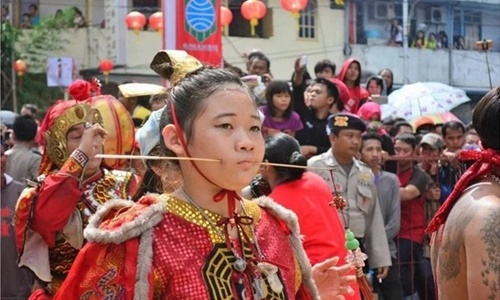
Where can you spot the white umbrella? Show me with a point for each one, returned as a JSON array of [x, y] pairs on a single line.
[[425, 98]]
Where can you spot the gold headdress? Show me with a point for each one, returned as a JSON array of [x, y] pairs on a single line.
[[58, 120], [55, 137], [174, 65]]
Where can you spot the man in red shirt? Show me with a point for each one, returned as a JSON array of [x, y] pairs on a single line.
[[415, 271]]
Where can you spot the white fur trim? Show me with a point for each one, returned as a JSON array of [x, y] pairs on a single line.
[[148, 219], [292, 222], [144, 261]]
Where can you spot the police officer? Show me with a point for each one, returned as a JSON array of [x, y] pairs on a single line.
[[354, 181]]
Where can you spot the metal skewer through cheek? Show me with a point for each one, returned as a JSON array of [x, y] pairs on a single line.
[[123, 156]]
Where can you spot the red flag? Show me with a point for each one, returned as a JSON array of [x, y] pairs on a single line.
[[194, 26]]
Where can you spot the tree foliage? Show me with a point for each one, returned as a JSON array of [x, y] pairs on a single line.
[[34, 46]]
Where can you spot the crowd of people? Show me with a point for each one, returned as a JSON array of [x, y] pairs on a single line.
[[31, 18], [433, 41], [312, 153]]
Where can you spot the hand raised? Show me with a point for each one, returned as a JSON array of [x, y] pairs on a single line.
[[332, 282]]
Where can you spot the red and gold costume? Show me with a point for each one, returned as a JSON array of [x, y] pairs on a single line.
[[51, 216], [164, 248]]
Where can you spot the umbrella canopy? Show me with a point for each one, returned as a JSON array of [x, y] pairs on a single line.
[[437, 119], [7, 117], [423, 99]]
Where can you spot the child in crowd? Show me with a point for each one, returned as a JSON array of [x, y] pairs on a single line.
[[279, 114]]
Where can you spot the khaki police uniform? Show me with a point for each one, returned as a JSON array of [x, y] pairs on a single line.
[[362, 214]]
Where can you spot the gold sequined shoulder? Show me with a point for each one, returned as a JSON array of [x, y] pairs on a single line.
[[252, 209]]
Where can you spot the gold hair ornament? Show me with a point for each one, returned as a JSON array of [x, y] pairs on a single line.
[[174, 65]]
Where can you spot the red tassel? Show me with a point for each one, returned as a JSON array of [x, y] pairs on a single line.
[[364, 286]]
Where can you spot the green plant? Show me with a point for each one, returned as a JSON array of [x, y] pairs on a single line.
[[34, 46]]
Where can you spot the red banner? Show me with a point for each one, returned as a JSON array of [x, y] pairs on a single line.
[[194, 26]]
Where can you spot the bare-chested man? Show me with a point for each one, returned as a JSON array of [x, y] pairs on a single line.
[[466, 245]]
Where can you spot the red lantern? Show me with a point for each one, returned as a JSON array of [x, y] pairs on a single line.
[[156, 21], [253, 10], [294, 6], [106, 66], [20, 67], [226, 16], [135, 21]]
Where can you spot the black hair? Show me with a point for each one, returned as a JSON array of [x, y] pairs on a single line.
[[407, 138], [453, 125], [395, 128], [324, 64], [357, 82], [485, 119], [150, 183], [283, 149], [370, 136], [331, 90], [389, 88], [34, 6], [380, 82], [25, 128], [278, 87], [258, 56]]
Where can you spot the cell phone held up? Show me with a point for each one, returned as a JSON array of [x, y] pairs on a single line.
[[303, 61]]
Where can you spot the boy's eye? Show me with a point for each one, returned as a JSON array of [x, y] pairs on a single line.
[[255, 128]]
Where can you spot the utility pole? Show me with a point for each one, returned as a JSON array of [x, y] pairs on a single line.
[[406, 67]]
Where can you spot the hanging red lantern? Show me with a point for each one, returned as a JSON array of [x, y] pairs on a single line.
[[253, 10], [156, 21], [294, 6], [106, 66], [226, 16], [20, 67], [135, 21]]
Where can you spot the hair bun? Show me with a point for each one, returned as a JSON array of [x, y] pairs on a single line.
[[80, 90], [174, 65]]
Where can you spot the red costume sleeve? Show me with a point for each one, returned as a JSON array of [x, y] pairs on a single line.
[[102, 271], [57, 198]]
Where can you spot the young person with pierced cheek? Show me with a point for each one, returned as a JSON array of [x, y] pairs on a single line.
[[202, 241]]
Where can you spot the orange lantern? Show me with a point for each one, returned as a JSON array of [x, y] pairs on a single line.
[[106, 66], [156, 21], [294, 6], [135, 21], [20, 67], [253, 10], [119, 126], [226, 16]]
